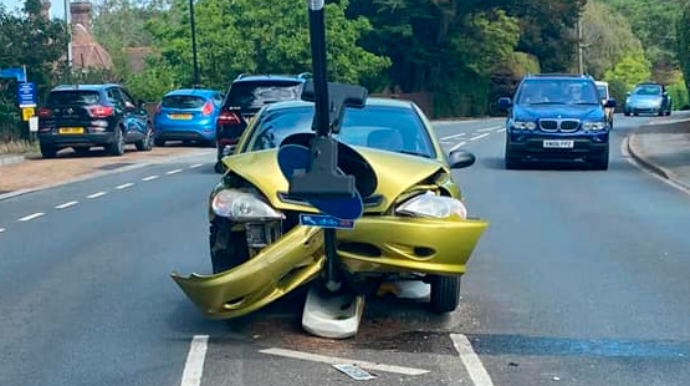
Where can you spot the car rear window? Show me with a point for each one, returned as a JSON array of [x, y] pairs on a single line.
[[58, 98], [183, 101], [258, 94]]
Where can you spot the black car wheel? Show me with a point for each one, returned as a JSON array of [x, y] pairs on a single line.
[[219, 167], [445, 293], [146, 144], [512, 161], [159, 142], [228, 249], [601, 162], [627, 114], [48, 151], [117, 148]]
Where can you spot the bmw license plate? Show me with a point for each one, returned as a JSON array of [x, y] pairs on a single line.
[[559, 144]]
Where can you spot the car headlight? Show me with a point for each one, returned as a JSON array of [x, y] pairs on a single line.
[[432, 206], [524, 125], [594, 126], [242, 207]]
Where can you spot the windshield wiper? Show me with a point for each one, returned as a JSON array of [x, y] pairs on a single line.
[[546, 103], [414, 153]]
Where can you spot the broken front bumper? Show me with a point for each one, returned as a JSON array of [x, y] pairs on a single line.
[[377, 245]]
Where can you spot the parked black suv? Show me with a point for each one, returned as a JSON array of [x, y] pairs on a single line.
[[246, 96], [85, 116]]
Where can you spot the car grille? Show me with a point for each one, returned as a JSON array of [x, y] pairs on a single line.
[[553, 125]]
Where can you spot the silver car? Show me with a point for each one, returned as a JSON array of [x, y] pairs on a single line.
[[648, 98]]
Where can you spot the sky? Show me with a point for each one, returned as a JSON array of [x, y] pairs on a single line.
[[57, 9]]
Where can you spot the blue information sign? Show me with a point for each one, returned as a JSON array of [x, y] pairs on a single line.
[[17, 73], [26, 94]]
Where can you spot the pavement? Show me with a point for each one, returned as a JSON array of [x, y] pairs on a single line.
[[581, 279], [664, 148]]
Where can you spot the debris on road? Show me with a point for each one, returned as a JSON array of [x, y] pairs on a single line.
[[556, 378], [354, 372]]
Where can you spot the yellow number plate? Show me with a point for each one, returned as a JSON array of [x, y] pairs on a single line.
[[71, 130], [185, 117]]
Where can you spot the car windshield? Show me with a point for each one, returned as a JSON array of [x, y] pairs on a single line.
[[258, 94], [58, 98], [392, 129], [183, 101], [648, 90], [557, 92], [603, 92]]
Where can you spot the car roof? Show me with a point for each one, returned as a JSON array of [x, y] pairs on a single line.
[[266, 78], [374, 102], [600, 83], [192, 92], [647, 84], [557, 76], [84, 87]]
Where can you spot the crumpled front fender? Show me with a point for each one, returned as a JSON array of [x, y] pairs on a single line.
[[278, 269]]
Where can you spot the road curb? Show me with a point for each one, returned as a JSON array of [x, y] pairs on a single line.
[[649, 165], [89, 176], [11, 159]]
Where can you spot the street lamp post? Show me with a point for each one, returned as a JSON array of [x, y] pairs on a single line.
[[194, 56]]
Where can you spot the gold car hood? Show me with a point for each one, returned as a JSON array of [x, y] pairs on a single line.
[[396, 173]]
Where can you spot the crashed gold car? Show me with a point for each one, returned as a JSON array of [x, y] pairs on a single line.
[[414, 224]]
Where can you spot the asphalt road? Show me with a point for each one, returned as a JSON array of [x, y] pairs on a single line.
[[580, 280]]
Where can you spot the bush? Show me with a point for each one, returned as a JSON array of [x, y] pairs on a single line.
[[679, 95]]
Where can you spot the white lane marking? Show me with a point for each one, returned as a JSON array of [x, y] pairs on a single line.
[[196, 166], [149, 178], [96, 195], [67, 205], [444, 123], [503, 130], [31, 217], [471, 360], [488, 129], [2, 230], [194, 367], [453, 136], [174, 171], [456, 147], [343, 361], [124, 186], [479, 137]]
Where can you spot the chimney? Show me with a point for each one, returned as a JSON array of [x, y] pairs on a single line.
[[81, 14]]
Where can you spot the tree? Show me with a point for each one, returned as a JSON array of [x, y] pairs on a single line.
[[684, 43], [27, 39], [261, 36], [608, 38], [633, 69]]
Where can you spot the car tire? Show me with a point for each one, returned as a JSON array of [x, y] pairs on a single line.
[[146, 144], [627, 114], [48, 151], [117, 148], [228, 249], [601, 163], [187, 142], [82, 151], [159, 142], [445, 293], [511, 161], [219, 167]]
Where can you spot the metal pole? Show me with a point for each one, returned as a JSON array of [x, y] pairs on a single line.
[[196, 63], [68, 23], [580, 45], [317, 32]]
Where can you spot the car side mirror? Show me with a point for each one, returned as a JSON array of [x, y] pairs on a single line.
[[610, 104], [130, 106], [460, 159], [628, 93], [505, 103]]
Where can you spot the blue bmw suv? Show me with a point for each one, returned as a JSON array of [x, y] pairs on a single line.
[[557, 117]]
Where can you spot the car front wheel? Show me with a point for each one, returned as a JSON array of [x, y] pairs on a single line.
[[146, 144], [512, 161], [602, 162], [117, 148], [445, 293], [228, 249]]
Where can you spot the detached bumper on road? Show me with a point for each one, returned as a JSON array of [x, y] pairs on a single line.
[[377, 245]]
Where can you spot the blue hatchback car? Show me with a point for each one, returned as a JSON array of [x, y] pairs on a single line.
[[187, 115], [557, 117]]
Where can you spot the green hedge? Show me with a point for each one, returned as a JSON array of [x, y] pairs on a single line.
[[684, 43]]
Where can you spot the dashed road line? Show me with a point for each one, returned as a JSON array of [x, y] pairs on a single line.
[[488, 129], [173, 171], [456, 147], [503, 130], [479, 137], [196, 166], [96, 195], [31, 217], [473, 365], [342, 361], [453, 136], [67, 205], [2, 230], [124, 186], [194, 366], [149, 178]]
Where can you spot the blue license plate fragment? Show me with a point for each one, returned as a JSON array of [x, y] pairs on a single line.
[[324, 221]]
